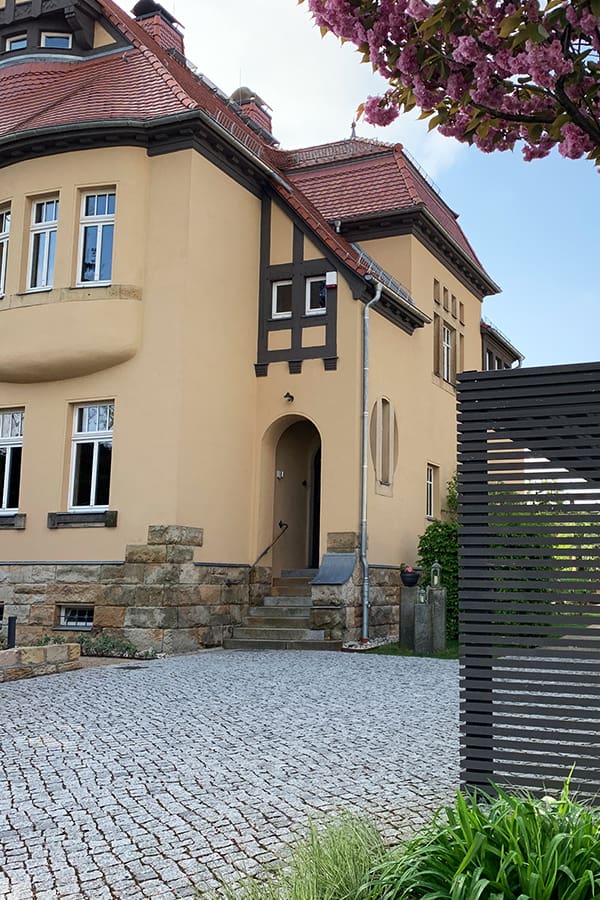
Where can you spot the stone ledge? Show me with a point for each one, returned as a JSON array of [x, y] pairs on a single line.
[[27, 662]]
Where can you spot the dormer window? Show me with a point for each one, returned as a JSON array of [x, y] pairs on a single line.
[[18, 42], [54, 40]]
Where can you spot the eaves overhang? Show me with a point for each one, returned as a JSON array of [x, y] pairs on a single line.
[[419, 221]]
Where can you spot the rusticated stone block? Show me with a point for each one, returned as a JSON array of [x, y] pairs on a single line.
[[88, 594], [161, 574], [43, 574], [181, 640], [42, 614], [144, 638], [192, 616], [31, 656], [57, 653], [210, 594], [175, 534], [149, 595], [342, 541], [78, 574], [181, 595], [68, 666], [122, 573], [28, 590], [150, 617], [144, 553], [74, 651], [189, 573], [9, 658], [19, 574], [121, 595], [178, 553], [19, 672], [109, 616]]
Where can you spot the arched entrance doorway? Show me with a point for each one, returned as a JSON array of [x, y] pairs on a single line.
[[298, 497]]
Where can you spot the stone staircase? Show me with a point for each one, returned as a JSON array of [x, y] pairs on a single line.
[[283, 622]]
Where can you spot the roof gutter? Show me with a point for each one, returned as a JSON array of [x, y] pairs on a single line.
[[241, 148]]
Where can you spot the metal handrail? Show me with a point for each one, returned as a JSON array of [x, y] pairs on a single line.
[[284, 527]]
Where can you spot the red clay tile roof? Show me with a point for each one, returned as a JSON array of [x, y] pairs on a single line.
[[359, 177], [145, 82]]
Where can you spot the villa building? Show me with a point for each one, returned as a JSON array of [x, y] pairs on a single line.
[[181, 341]]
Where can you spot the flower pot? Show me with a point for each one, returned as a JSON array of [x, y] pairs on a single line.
[[409, 579]]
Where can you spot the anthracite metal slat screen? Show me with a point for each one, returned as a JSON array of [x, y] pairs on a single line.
[[529, 536]]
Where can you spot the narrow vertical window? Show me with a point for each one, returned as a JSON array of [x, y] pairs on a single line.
[[430, 493], [386, 447], [11, 447], [447, 361], [383, 445], [461, 312], [97, 238], [489, 360], [91, 456], [4, 234], [453, 306], [43, 244], [437, 337], [446, 301], [436, 291]]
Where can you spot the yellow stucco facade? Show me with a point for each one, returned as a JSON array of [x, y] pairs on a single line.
[[172, 341]]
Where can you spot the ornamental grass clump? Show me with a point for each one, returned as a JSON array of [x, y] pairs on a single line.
[[505, 848], [331, 863]]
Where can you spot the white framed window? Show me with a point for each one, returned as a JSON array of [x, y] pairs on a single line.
[[80, 618], [42, 254], [17, 42], [96, 238], [447, 353], [430, 491], [4, 235], [56, 40], [281, 300], [91, 456], [316, 296], [11, 448]]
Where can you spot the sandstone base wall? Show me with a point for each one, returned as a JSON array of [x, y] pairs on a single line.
[[27, 662]]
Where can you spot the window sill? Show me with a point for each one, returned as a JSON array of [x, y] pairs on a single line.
[[79, 628], [14, 521], [106, 519], [90, 284]]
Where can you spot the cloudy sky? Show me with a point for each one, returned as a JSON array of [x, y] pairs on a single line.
[[533, 225]]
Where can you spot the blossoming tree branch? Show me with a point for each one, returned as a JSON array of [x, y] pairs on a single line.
[[487, 72]]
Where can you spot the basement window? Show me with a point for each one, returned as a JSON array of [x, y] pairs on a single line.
[[54, 40], [79, 618]]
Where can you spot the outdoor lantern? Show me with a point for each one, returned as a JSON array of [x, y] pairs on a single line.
[[436, 575]]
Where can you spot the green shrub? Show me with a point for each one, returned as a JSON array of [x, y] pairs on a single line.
[[331, 863], [507, 848], [439, 543], [102, 645]]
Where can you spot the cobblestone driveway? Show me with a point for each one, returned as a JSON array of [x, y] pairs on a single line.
[[134, 782]]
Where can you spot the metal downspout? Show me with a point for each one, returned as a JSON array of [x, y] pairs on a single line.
[[365, 468]]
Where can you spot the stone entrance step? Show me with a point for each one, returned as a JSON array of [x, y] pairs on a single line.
[[273, 644], [283, 622], [278, 634]]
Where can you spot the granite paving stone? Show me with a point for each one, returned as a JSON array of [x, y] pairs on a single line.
[[126, 783]]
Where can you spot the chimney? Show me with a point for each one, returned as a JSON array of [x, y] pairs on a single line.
[[160, 25], [254, 108]]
